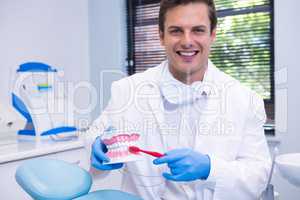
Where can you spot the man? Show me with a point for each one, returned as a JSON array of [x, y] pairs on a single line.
[[208, 125]]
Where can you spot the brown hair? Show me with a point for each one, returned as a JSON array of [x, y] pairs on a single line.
[[166, 5]]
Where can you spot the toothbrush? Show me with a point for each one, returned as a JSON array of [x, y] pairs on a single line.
[[136, 150]]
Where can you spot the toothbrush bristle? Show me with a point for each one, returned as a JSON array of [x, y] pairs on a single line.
[[133, 149]]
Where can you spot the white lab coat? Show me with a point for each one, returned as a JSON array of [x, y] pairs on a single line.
[[230, 132]]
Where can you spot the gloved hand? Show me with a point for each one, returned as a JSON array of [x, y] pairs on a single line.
[[185, 165], [98, 157]]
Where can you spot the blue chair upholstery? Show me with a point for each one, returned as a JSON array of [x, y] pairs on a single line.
[[48, 179], [108, 195]]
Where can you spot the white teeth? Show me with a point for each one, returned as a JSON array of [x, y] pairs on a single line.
[[187, 53], [119, 145]]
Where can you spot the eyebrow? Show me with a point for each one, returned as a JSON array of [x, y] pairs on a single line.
[[179, 27]]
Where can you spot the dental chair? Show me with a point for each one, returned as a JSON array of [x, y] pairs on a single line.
[[49, 179]]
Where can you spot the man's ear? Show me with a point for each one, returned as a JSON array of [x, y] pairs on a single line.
[[213, 35], [161, 37]]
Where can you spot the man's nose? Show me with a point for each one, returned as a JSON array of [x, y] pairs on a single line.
[[187, 40]]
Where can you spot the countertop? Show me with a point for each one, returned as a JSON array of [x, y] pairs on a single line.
[[14, 148]]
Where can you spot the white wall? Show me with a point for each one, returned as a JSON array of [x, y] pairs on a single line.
[[50, 31], [107, 29], [287, 42]]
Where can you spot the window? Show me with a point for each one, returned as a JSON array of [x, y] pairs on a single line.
[[243, 49]]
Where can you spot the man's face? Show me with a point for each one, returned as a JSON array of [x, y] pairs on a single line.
[[187, 38]]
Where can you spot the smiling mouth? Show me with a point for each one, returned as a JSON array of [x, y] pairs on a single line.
[[187, 53]]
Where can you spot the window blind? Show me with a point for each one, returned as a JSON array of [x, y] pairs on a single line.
[[144, 49], [243, 48]]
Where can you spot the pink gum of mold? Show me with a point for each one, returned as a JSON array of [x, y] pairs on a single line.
[[121, 138]]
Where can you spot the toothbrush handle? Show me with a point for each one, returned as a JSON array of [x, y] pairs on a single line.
[[152, 153]]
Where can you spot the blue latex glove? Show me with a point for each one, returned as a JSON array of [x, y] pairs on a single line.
[[185, 165], [98, 157]]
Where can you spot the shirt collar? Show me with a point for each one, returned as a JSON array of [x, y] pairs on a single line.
[[177, 92]]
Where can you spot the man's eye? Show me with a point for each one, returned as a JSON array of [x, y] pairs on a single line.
[[175, 31], [199, 30]]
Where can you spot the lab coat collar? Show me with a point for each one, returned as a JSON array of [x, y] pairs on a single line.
[[177, 92], [156, 103]]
